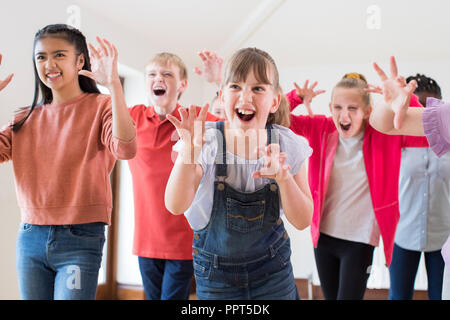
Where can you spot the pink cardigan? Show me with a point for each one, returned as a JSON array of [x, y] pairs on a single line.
[[382, 156]]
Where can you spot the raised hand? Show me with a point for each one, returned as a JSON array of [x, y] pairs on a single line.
[[4, 83], [307, 94], [212, 67], [396, 93], [191, 130], [275, 166], [374, 89], [103, 63]]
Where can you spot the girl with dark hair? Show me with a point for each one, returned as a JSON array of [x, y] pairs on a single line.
[[394, 116], [424, 223], [63, 149]]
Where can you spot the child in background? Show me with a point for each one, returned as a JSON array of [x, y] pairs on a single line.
[[424, 212], [393, 115], [232, 196], [353, 173], [162, 242], [63, 150]]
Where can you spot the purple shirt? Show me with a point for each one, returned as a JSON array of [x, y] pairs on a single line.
[[436, 124]]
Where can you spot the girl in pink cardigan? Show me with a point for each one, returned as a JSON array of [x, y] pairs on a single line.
[[63, 150], [353, 175]]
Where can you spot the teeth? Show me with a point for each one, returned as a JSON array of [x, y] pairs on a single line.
[[53, 75], [245, 112]]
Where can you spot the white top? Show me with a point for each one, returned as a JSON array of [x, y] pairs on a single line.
[[239, 170], [348, 211]]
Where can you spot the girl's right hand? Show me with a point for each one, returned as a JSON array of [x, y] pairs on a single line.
[[307, 94], [4, 83], [191, 131], [396, 93]]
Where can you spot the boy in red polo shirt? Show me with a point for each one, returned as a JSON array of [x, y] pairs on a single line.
[[162, 241]]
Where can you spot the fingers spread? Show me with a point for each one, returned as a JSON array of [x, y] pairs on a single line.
[[380, 72], [394, 69]]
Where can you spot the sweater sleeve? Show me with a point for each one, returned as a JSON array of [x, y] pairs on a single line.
[[294, 99], [5, 144], [120, 149], [436, 120]]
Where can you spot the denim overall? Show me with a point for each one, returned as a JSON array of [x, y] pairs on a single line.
[[244, 251]]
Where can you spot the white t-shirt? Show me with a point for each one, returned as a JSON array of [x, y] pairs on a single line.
[[239, 171], [348, 211]]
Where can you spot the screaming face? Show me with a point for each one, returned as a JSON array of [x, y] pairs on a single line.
[[349, 111]]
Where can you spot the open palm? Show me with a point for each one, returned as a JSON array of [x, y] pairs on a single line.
[[212, 67], [396, 92], [4, 83], [307, 93], [103, 63], [191, 129]]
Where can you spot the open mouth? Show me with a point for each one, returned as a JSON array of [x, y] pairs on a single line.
[[159, 92], [345, 127], [245, 115], [53, 76]]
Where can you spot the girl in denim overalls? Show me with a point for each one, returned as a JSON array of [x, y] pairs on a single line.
[[232, 178]]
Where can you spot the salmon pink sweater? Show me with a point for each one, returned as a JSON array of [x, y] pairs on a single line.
[[62, 158]]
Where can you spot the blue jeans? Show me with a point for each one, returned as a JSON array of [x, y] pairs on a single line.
[[403, 270], [59, 262], [166, 279]]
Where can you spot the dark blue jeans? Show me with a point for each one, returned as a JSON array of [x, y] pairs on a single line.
[[403, 270], [166, 279]]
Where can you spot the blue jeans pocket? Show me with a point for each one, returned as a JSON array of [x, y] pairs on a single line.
[[25, 227], [202, 269], [88, 231], [245, 216]]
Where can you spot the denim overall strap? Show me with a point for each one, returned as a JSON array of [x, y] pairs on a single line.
[[221, 156], [273, 136]]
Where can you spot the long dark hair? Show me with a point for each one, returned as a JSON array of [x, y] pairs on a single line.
[[78, 40]]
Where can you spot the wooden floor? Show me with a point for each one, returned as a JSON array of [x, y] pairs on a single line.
[[306, 289]]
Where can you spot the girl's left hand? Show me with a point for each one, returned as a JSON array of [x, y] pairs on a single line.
[[103, 63], [275, 166]]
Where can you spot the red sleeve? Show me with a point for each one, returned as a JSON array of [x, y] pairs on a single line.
[[294, 99], [414, 142], [211, 117], [414, 102], [307, 126]]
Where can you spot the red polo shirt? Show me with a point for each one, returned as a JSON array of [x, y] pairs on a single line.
[[157, 233]]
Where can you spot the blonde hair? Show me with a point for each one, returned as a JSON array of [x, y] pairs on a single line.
[[253, 59], [166, 58], [355, 81]]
